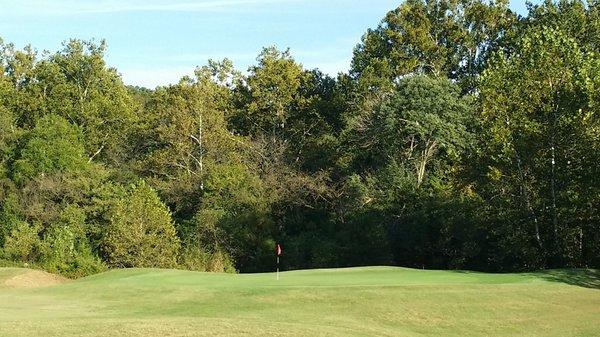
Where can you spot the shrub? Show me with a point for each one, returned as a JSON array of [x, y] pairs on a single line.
[[194, 258], [66, 251], [141, 232], [23, 243]]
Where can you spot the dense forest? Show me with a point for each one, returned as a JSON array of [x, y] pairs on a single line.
[[464, 136]]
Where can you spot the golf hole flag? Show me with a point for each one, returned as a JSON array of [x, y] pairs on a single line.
[[278, 252]]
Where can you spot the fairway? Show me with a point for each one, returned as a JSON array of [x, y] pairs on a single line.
[[374, 301]]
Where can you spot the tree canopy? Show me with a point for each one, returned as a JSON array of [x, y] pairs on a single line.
[[463, 136]]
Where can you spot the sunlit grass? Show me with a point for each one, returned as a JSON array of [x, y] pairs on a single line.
[[374, 301]]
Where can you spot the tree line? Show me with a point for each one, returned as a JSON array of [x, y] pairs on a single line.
[[463, 136]]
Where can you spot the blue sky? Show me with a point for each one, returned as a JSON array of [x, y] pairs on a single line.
[[156, 42]]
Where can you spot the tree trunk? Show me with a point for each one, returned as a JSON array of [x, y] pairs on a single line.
[[201, 161], [426, 154], [553, 130], [527, 200]]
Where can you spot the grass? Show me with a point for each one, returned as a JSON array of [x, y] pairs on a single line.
[[373, 301]]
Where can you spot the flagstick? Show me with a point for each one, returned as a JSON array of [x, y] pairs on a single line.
[[278, 268]]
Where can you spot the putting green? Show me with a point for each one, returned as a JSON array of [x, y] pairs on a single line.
[[370, 301]]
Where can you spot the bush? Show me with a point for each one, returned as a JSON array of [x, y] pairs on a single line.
[[23, 243], [194, 258], [141, 232], [67, 252]]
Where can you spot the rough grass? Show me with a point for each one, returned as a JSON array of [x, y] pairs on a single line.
[[374, 301], [28, 278]]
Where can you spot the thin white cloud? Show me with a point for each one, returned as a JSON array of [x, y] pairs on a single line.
[[69, 7], [203, 57]]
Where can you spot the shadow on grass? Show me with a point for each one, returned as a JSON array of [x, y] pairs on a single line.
[[588, 278]]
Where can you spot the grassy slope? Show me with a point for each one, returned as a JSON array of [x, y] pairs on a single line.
[[381, 301]]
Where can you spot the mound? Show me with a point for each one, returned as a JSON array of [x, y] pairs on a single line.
[[27, 278]]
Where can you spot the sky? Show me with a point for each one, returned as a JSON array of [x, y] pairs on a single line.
[[156, 42]]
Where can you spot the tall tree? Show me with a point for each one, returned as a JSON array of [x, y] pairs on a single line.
[[185, 136], [537, 106], [425, 119], [441, 38], [53, 145], [270, 94]]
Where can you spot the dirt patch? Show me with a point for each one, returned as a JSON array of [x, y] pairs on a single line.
[[34, 279]]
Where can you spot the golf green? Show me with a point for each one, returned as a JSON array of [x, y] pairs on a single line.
[[369, 301]]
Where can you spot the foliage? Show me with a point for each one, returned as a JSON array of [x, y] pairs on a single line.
[[65, 248], [193, 258], [141, 232], [23, 243], [53, 145], [441, 38], [463, 136], [542, 130]]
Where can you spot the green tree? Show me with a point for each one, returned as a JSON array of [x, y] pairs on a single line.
[[186, 136], [65, 248], [81, 88], [440, 38], [54, 145], [578, 19], [76, 84], [235, 216], [23, 243], [543, 127], [271, 92], [425, 119], [141, 232]]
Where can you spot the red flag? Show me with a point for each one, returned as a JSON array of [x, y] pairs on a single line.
[[279, 251]]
